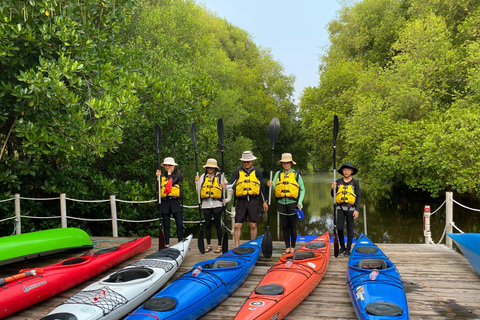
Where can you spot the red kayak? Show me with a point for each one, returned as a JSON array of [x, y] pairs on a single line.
[[288, 282], [31, 286]]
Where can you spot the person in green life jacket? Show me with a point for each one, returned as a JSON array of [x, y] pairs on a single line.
[[171, 192], [289, 192], [347, 197]]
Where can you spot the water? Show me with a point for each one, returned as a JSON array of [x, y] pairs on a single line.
[[391, 216]]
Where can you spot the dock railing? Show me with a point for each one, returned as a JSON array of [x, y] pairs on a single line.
[[449, 223], [113, 210]]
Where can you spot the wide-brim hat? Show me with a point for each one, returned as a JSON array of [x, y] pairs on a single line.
[[211, 163], [247, 156], [286, 157], [348, 165], [169, 161]]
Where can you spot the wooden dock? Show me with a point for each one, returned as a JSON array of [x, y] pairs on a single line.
[[439, 282]]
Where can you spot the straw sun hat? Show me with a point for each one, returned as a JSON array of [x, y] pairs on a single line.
[[286, 157], [211, 163], [169, 161], [247, 156]]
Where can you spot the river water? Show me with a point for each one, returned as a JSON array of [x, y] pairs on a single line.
[[391, 216]]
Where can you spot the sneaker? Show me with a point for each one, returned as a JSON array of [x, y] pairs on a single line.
[[341, 251], [347, 253]]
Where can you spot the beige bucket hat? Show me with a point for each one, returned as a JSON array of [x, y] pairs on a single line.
[[170, 161], [211, 163], [286, 157], [247, 156]]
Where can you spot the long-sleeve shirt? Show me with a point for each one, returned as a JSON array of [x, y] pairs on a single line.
[[209, 203], [356, 189], [301, 193]]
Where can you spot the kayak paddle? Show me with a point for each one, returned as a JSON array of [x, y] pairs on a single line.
[[161, 236], [335, 235], [201, 244], [221, 141]]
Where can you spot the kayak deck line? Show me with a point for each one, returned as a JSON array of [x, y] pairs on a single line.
[[440, 283]]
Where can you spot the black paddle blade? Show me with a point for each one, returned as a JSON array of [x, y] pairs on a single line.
[[273, 131], [225, 241], [158, 134], [193, 134], [267, 244], [335, 242], [220, 132], [335, 129], [201, 244], [161, 239]]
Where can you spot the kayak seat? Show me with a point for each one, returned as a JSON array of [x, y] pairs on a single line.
[[303, 255], [372, 264], [129, 274], [224, 264]]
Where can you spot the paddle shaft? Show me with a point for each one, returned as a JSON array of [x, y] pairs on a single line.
[[201, 245], [161, 236], [221, 138], [335, 235]]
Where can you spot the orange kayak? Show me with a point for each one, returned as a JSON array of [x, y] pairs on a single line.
[[288, 282]]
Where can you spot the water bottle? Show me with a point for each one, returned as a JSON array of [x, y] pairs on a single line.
[[197, 271], [100, 295], [374, 274], [289, 263]]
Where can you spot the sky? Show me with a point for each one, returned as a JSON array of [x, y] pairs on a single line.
[[295, 31]]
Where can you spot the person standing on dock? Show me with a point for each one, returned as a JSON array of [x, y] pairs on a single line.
[[347, 196], [289, 192], [249, 188], [210, 191], [171, 192]]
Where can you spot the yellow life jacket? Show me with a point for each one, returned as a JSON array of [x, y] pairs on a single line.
[[175, 192], [288, 187], [211, 188], [247, 184], [345, 194]]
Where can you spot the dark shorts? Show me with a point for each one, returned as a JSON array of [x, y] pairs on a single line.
[[250, 209]]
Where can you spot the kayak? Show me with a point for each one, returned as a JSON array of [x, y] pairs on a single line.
[[203, 287], [120, 292], [31, 286], [41, 243], [288, 282], [374, 284], [469, 244]]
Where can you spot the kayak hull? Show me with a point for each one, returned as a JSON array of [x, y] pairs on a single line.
[[54, 279], [190, 297], [120, 292], [285, 286], [41, 243], [469, 244], [375, 297]]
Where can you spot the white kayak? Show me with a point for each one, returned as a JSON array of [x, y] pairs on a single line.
[[121, 292]]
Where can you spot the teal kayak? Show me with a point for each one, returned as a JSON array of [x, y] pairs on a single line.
[[41, 243], [203, 287]]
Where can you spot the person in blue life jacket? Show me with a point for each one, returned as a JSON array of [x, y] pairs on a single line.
[[346, 191], [209, 187], [249, 191], [289, 192], [171, 193]]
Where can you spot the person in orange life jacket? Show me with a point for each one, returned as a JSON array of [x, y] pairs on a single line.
[[347, 193], [249, 187], [171, 182], [289, 191], [210, 190]]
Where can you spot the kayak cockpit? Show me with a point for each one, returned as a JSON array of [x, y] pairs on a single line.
[[129, 274], [371, 264]]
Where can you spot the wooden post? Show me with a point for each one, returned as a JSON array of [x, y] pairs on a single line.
[[18, 219], [426, 224], [449, 217], [113, 208], [63, 210]]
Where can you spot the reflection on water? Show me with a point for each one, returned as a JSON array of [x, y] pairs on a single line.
[[392, 217]]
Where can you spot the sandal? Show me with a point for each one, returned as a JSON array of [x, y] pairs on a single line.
[[219, 249], [208, 248]]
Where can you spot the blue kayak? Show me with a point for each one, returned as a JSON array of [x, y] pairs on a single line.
[[374, 284], [469, 244], [196, 292]]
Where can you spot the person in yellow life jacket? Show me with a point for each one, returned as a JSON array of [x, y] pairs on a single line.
[[249, 190], [289, 191], [346, 191], [211, 193], [171, 193]]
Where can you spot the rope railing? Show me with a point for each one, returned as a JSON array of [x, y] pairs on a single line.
[[64, 217]]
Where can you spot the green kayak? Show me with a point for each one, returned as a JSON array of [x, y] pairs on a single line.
[[41, 243]]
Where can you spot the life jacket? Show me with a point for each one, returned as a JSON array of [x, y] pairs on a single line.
[[247, 184], [175, 192], [211, 187], [345, 194], [288, 187]]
